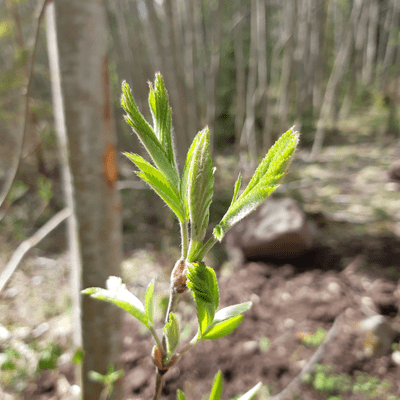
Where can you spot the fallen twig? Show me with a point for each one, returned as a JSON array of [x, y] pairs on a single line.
[[308, 368], [27, 244], [17, 159]]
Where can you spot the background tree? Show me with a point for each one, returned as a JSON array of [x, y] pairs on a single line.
[[90, 128]]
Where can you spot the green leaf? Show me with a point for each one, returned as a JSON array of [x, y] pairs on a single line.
[[250, 394], [114, 376], [162, 116], [171, 332], [200, 187], [264, 181], [180, 395], [159, 183], [276, 162], [148, 303], [117, 293], [216, 390], [147, 136], [232, 311], [96, 377], [221, 329], [203, 283], [237, 187], [241, 208], [184, 187]]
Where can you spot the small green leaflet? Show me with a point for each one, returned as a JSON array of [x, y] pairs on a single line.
[[232, 311], [159, 183], [264, 181], [148, 303], [249, 395], [202, 281], [199, 182], [171, 332], [162, 116], [180, 395], [216, 390], [147, 136], [117, 293], [221, 329], [226, 321], [184, 188]]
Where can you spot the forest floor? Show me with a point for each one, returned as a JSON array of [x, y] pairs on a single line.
[[351, 274]]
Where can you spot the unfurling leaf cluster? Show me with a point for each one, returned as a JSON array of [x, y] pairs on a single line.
[[189, 196]]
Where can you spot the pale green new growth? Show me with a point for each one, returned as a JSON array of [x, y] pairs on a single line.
[[148, 137], [118, 294], [171, 331], [202, 281], [264, 181], [157, 181], [216, 390], [200, 189], [148, 303], [250, 394], [162, 116], [180, 395], [226, 320], [189, 197], [221, 329]]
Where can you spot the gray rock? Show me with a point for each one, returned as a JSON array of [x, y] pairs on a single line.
[[277, 229]]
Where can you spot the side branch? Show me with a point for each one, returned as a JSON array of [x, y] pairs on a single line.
[[27, 244], [17, 159], [308, 368]]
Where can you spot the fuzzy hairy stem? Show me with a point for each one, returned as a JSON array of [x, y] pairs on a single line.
[[159, 385], [205, 249], [184, 238]]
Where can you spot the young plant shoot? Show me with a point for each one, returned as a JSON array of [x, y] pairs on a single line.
[[189, 197]]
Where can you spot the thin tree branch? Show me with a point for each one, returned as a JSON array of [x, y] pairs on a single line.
[[16, 164], [27, 244], [308, 368]]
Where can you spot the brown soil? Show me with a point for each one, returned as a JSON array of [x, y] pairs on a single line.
[[286, 303], [289, 301]]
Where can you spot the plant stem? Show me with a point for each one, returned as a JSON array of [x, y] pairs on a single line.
[[191, 344], [184, 238], [156, 338], [173, 300], [205, 249], [159, 384]]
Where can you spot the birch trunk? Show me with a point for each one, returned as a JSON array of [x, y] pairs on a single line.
[[367, 73], [287, 65], [248, 135], [81, 27], [60, 128], [240, 99], [335, 78]]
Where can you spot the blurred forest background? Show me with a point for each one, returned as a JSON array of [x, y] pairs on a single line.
[[249, 69]]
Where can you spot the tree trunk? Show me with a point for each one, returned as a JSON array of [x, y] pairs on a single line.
[[81, 27], [334, 79], [189, 69], [317, 53], [212, 70], [60, 128], [248, 135], [287, 65], [240, 98], [367, 72]]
